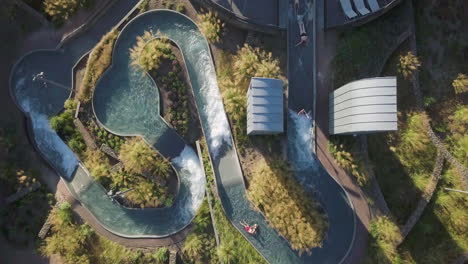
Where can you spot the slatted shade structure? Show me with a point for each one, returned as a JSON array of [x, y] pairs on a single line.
[[265, 106], [364, 106]]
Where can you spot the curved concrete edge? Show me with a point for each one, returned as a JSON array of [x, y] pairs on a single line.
[[241, 22], [48, 162]]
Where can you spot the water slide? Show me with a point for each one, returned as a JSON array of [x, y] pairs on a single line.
[[126, 102]]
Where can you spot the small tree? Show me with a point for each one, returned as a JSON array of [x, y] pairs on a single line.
[[149, 51], [211, 26], [385, 237], [460, 84], [137, 156], [97, 164], [61, 10], [193, 246], [408, 64]]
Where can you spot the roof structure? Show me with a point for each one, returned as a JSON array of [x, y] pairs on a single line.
[[364, 106], [265, 107]]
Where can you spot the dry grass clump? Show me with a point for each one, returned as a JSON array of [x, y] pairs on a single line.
[[61, 10], [275, 192], [99, 60], [211, 26], [140, 158], [255, 62], [460, 84], [408, 64], [149, 51]]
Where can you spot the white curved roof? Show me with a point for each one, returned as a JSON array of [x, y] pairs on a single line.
[[363, 106]]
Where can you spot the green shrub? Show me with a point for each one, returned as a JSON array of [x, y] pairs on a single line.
[[275, 192], [211, 26], [140, 158], [200, 245], [161, 255], [460, 84], [408, 64], [65, 128], [347, 161], [458, 140], [98, 165], [385, 236], [254, 62], [180, 7], [61, 10], [79, 244], [99, 60], [234, 246], [149, 51], [235, 104]]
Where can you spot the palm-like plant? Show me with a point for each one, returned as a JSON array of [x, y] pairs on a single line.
[[161, 167], [137, 156], [408, 64], [460, 84], [149, 51], [211, 26]]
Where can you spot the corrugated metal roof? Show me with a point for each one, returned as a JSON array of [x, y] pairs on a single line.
[[364, 106], [265, 106]]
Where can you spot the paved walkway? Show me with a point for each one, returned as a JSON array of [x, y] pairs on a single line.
[[84, 214], [325, 42]]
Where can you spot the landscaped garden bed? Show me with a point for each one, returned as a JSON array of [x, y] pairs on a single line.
[[161, 58], [235, 69], [133, 172]]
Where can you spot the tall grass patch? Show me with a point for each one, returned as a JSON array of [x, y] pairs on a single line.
[[297, 217], [99, 60]]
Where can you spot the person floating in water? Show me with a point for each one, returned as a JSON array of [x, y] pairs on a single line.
[[251, 229], [302, 31], [303, 112]]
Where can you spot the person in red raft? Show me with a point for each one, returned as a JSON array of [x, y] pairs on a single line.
[[251, 229]]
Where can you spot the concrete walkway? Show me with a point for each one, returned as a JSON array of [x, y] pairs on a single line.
[[303, 75], [326, 42]]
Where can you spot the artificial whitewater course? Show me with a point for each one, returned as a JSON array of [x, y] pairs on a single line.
[[126, 102]]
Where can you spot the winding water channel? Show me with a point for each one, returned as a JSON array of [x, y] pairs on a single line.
[[126, 102]]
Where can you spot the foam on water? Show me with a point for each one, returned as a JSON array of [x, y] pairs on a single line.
[[218, 131], [48, 141], [302, 142], [192, 173]]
